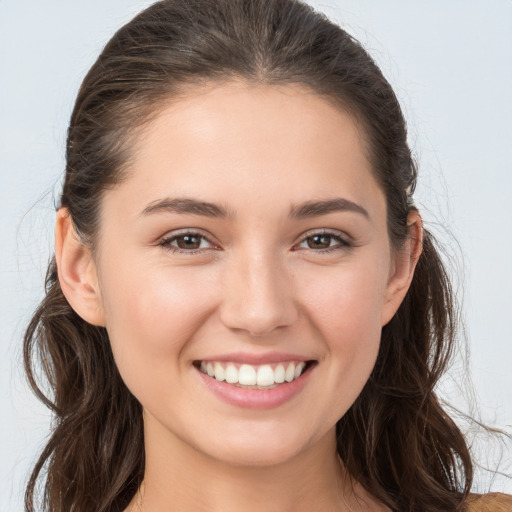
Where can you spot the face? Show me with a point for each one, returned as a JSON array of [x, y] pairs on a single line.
[[249, 238]]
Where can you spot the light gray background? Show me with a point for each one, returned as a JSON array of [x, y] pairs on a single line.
[[451, 65]]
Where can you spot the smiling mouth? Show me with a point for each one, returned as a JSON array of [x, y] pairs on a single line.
[[248, 376]]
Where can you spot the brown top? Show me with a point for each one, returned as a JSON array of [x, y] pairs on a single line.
[[492, 502]]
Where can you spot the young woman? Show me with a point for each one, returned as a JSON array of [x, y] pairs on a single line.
[[244, 311]]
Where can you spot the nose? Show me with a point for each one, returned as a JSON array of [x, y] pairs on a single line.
[[258, 295]]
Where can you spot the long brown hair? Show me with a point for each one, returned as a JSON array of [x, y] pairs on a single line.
[[396, 439]]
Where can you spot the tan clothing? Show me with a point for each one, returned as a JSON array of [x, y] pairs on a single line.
[[492, 502]]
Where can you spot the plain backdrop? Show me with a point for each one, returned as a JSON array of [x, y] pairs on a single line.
[[450, 63]]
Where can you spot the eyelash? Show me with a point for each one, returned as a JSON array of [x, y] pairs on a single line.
[[343, 244], [166, 242]]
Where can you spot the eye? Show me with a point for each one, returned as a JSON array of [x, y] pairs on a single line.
[[186, 242], [325, 242]]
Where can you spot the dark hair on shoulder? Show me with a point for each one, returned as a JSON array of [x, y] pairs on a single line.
[[396, 439]]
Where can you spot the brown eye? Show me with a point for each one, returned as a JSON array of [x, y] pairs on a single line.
[[325, 243], [319, 241], [188, 241]]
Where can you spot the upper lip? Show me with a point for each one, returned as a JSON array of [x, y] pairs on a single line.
[[256, 359]]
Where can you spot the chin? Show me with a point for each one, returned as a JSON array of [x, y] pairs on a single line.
[[256, 456], [257, 448]]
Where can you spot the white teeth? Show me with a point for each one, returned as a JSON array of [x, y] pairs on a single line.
[[258, 377], [247, 375], [231, 374], [265, 376], [299, 368], [279, 374], [220, 373], [289, 374]]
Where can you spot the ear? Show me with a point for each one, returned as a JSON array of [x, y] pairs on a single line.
[[77, 271], [403, 265]]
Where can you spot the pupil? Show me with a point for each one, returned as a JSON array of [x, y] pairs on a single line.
[[188, 242], [320, 242]]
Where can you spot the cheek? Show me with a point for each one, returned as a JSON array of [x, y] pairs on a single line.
[[345, 308], [151, 313], [348, 301], [346, 313]]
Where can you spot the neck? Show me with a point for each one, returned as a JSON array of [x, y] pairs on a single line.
[[178, 477]]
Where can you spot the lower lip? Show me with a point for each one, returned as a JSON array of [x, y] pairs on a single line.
[[255, 398]]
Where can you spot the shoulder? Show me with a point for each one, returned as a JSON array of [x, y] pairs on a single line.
[[492, 502]]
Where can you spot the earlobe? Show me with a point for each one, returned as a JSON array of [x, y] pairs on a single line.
[[405, 261], [77, 271]]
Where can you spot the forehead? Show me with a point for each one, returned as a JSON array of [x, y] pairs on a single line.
[[233, 112], [238, 141]]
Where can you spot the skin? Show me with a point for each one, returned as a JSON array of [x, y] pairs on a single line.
[[255, 284]]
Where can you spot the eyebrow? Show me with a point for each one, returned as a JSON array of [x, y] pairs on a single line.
[[301, 211], [187, 206], [317, 208]]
